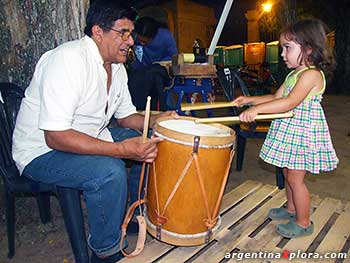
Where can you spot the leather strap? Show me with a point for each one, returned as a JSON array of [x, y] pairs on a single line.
[[142, 230], [141, 239]]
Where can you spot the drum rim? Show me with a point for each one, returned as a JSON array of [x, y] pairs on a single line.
[[206, 141]]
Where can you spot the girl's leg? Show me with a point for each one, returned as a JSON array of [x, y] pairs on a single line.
[[289, 193], [300, 195]]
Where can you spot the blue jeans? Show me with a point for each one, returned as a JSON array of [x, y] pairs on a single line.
[[104, 182]]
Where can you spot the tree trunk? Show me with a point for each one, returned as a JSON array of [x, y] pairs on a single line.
[[31, 27]]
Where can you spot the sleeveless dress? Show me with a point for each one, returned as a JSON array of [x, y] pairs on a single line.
[[302, 142]]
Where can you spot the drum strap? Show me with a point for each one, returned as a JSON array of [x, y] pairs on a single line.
[[142, 230], [140, 219]]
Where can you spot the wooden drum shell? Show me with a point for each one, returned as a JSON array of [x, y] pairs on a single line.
[[186, 211]]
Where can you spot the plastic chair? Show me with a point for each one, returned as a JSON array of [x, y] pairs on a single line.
[[229, 78], [15, 184]]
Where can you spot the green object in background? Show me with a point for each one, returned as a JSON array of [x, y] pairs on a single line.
[[219, 58], [272, 53], [233, 55]]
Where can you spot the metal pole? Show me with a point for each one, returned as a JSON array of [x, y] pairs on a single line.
[[219, 27]]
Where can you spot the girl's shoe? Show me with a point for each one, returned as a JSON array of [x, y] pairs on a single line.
[[280, 214], [292, 230]]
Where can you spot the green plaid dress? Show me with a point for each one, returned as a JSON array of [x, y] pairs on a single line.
[[302, 142]]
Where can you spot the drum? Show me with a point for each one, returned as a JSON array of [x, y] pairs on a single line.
[[187, 180]]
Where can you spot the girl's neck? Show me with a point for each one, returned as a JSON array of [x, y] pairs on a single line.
[[297, 69]]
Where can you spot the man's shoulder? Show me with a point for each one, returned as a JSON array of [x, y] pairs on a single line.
[[76, 51], [74, 47]]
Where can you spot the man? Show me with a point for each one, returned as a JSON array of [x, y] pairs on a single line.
[[61, 135], [154, 43]]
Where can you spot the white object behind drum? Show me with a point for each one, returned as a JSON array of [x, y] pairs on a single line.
[[192, 128]]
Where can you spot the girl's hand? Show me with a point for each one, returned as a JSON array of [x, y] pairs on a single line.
[[173, 114], [248, 115], [241, 101]]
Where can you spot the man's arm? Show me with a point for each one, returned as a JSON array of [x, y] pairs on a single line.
[[136, 121], [77, 142]]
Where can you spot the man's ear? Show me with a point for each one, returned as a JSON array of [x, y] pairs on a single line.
[[97, 33]]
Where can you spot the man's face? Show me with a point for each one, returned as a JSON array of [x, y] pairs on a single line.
[[143, 40], [114, 42]]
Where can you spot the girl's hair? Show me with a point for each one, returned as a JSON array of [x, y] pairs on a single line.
[[311, 35], [104, 13]]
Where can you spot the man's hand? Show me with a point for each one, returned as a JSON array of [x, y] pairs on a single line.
[[135, 149]]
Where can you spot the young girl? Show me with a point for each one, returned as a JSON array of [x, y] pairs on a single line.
[[302, 143]]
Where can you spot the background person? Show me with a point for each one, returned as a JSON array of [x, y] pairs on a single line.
[[153, 43], [61, 135], [302, 143]]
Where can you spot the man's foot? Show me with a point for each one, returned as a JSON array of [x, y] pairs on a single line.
[[280, 214], [292, 230], [111, 259]]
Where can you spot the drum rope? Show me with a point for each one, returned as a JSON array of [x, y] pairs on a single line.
[[155, 185], [160, 215], [209, 222], [177, 185], [218, 202]]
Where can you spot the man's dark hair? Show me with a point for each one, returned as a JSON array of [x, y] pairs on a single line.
[[105, 12], [146, 26]]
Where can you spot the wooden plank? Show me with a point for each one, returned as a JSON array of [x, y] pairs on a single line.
[[238, 194], [229, 199], [257, 243], [347, 259], [320, 218], [151, 252], [244, 208], [231, 238], [347, 207], [267, 239], [194, 70], [337, 235], [275, 237], [181, 255]]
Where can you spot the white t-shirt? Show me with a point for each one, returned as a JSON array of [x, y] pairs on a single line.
[[69, 91]]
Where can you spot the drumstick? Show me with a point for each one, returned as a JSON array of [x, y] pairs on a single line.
[[234, 119], [146, 120], [208, 105]]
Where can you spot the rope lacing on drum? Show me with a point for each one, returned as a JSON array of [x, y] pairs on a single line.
[[211, 220], [162, 219]]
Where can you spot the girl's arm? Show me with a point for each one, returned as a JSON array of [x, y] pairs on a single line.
[[310, 80], [255, 100]]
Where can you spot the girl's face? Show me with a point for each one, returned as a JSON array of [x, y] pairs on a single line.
[[291, 53]]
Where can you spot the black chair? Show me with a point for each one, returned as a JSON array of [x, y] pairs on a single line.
[[15, 184], [229, 78]]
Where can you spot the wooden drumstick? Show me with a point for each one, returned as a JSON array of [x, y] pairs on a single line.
[[146, 120], [233, 119], [203, 106]]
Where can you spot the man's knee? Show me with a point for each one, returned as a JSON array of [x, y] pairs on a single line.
[[110, 173]]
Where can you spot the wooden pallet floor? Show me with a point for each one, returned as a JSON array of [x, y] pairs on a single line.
[[246, 228]]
